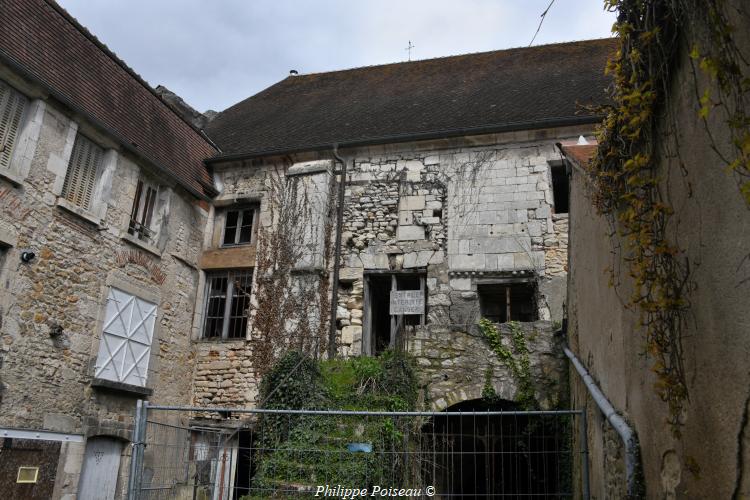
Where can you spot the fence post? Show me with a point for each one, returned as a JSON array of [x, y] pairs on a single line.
[[583, 433], [134, 471]]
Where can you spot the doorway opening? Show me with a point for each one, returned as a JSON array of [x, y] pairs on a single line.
[[389, 314], [518, 454]]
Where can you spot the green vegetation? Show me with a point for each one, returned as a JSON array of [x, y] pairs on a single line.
[[516, 359], [301, 451]]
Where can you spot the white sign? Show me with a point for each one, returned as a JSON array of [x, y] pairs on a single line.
[[407, 302]]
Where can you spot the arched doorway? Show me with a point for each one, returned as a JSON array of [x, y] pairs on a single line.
[[477, 456]]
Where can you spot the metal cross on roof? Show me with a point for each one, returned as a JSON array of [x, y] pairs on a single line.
[[411, 46]]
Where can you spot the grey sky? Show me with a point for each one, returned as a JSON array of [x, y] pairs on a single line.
[[217, 53]]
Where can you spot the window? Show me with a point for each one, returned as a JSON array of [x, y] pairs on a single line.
[[125, 346], [12, 104], [508, 302], [143, 211], [227, 303], [560, 188], [82, 170], [238, 226]]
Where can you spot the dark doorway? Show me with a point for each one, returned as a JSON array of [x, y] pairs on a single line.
[[499, 456], [245, 469], [385, 329]]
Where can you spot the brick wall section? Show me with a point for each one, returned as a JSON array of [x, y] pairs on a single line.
[[52, 46]]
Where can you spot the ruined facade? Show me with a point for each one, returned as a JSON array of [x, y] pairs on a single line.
[[174, 267]]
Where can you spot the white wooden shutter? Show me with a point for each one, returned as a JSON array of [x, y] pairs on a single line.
[[125, 346], [81, 176], [12, 104]]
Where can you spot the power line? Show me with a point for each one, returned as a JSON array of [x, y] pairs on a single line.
[[544, 14]]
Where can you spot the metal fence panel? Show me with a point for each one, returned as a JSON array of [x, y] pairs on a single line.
[[233, 454]]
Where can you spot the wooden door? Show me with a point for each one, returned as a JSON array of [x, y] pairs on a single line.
[[101, 465]]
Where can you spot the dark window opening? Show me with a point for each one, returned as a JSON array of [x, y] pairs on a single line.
[[143, 211], [227, 304], [238, 227], [501, 303], [386, 329], [560, 188]]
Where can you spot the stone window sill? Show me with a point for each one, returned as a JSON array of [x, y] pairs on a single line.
[[78, 211], [215, 340], [121, 387], [125, 236], [13, 177]]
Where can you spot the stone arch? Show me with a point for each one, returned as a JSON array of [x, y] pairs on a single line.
[[470, 392]]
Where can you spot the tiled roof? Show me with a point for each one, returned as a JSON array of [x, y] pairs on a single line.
[[581, 154], [40, 38], [492, 91]]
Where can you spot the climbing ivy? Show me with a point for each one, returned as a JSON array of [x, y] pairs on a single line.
[[517, 360], [639, 129]]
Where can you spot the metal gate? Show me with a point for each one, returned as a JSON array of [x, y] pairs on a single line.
[[240, 454]]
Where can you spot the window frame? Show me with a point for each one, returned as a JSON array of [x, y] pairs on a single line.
[[507, 285], [229, 296], [6, 102], [97, 169], [141, 221], [240, 209]]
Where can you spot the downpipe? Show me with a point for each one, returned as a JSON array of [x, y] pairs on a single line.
[[626, 433]]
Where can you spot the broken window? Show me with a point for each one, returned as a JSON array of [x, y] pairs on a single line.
[[227, 304], [560, 187], [143, 211], [505, 302], [388, 312], [238, 226]]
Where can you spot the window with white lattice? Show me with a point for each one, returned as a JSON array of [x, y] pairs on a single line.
[[12, 105], [127, 335], [80, 179]]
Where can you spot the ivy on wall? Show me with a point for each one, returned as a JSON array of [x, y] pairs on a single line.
[[628, 185]]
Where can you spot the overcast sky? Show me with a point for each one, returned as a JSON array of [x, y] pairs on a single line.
[[216, 53]]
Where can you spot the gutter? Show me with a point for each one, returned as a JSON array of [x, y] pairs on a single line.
[[337, 255], [421, 136], [627, 435]]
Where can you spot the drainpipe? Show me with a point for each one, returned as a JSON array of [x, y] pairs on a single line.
[[337, 255], [627, 435]]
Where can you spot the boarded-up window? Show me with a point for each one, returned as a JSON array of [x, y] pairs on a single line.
[[127, 334], [82, 170], [143, 210], [12, 104]]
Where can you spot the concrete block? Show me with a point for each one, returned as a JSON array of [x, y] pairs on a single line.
[[417, 259], [460, 283], [407, 233], [376, 261], [405, 218], [412, 203]]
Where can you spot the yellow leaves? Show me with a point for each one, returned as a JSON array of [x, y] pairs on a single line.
[[705, 101]]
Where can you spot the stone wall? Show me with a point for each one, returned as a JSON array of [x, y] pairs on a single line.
[[52, 307], [711, 457], [457, 365]]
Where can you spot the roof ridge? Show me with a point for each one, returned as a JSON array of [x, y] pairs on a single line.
[[466, 54], [120, 62]]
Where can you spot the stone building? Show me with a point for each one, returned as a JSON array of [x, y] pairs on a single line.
[[103, 205], [141, 259]]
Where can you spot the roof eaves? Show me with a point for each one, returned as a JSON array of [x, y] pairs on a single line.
[[421, 136], [32, 76]]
